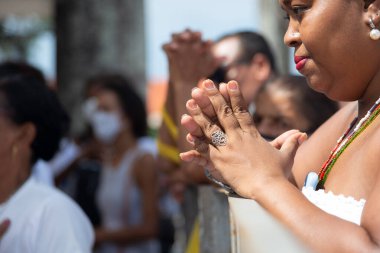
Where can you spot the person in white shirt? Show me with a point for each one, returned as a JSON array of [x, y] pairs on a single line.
[[42, 219]]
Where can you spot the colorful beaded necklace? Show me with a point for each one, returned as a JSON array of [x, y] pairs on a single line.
[[346, 139]]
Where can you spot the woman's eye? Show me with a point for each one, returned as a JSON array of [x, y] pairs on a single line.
[[298, 10]]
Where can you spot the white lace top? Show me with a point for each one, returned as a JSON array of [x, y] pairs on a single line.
[[346, 208]]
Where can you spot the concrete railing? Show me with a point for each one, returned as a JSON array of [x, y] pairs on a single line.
[[237, 225]]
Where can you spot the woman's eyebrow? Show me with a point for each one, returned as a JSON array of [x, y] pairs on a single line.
[[285, 4]]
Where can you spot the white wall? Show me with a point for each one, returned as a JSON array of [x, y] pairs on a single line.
[[212, 17]]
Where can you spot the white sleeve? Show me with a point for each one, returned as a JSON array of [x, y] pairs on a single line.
[[64, 157], [43, 173], [64, 228]]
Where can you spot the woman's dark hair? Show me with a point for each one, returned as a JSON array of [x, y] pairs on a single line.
[[313, 106], [132, 105], [28, 100]]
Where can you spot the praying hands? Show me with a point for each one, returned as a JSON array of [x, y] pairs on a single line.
[[227, 143]]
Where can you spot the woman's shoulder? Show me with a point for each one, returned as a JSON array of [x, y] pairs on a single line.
[[52, 199], [35, 195], [144, 161], [312, 153], [144, 166], [37, 206]]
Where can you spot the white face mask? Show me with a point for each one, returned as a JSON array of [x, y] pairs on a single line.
[[89, 107], [106, 126]]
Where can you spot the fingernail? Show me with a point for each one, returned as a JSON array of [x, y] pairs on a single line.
[[209, 85], [183, 116], [222, 85], [185, 158], [193, 90], [302, 138], [192, 104], [232, 86], [190, 138]]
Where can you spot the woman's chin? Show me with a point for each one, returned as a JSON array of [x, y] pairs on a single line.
[[318, 86]]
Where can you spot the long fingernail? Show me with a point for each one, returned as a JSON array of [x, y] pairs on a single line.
[[192, 105], [186, 158], [193, 90], [209, 85], [190, 139], [232, 86]]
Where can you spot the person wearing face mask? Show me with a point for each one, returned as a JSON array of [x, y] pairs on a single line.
[[287, 102], [127, 194]]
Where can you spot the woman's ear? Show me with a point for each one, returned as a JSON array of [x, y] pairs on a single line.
[[27, 134], [262, 67], [373, 10]]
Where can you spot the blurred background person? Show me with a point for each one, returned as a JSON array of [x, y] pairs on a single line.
[[43, 219], [128, 188], [42, 170], [247, 58], [287, 102]]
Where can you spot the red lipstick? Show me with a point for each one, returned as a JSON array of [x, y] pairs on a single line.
[[300, 61]]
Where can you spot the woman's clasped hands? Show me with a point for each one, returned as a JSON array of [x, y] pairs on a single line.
[[227, 143]]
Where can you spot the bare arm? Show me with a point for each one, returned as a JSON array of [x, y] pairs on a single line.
[[190, 60], [322, 232], [168, 160], [257, 170]]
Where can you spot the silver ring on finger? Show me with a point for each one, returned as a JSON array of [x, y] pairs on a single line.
[[219, 138]]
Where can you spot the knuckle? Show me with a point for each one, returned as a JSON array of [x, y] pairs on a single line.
[[254, 133], [226, 110], [202, 148], [245, 117], [214, 119], [240, 109], [210, 127]]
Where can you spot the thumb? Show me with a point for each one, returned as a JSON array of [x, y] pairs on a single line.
[[280, 140], [292, 143]]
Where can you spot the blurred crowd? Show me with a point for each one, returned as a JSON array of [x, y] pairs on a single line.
[[114, 188]]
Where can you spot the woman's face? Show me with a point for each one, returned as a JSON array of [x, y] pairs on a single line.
[[230, 50], [276, 112], [108, 102], [332, 47], [108, 120], [9, 133]]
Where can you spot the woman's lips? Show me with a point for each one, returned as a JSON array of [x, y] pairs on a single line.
[[300, 62]]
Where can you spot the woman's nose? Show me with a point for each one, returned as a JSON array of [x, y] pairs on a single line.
[[292, 37]]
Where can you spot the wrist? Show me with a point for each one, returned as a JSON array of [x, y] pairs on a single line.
[[264, 187], [188, 84]]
